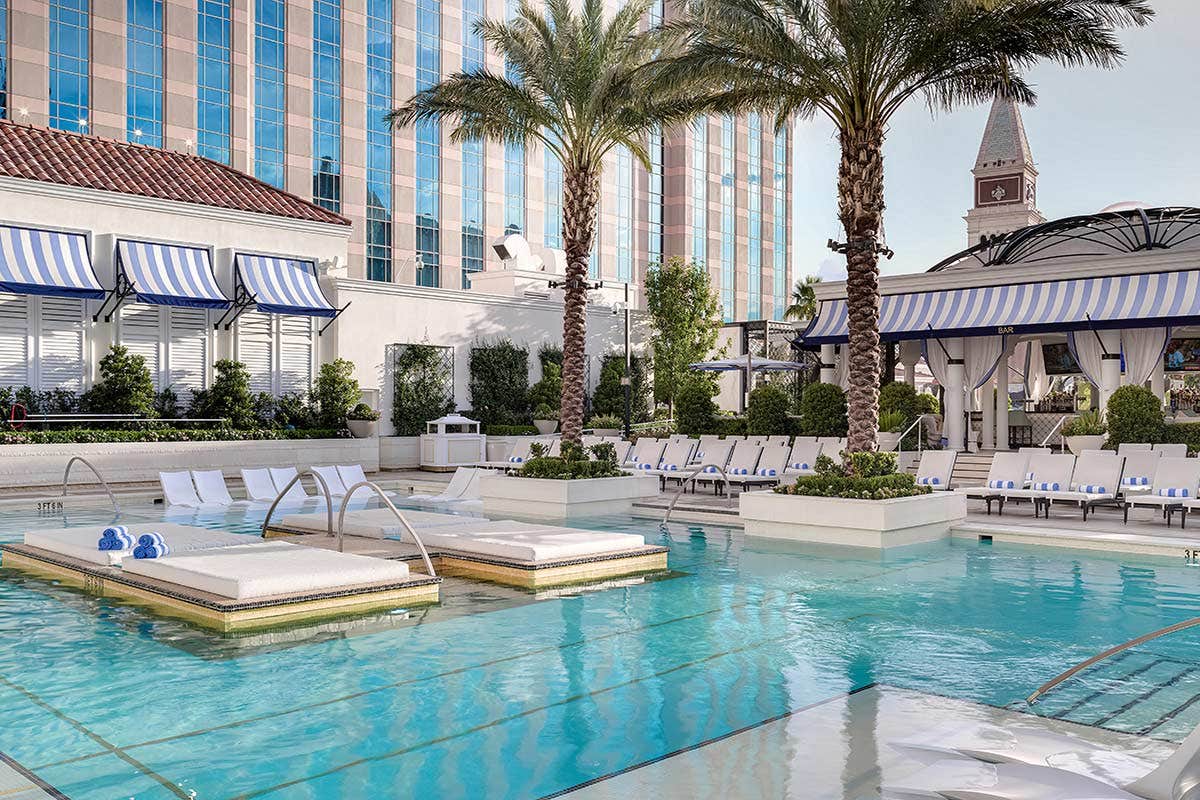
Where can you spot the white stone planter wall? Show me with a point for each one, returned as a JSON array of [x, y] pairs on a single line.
[[856, 523], [399, 452], [43, 464], [551, 499]]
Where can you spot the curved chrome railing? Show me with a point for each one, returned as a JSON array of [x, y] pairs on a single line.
[[692, 478], [1109, 653], [324, 487], [411, 531], [1057, 427], [67, 474]]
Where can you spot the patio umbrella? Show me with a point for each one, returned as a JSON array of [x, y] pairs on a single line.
[[755, 363]]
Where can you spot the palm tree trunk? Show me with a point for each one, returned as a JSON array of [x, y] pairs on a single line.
[[860, 209], [581, 197]]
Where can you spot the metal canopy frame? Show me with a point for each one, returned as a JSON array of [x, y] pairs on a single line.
[[243, 301]]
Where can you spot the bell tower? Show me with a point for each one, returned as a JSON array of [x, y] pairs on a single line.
[[1005, 195]]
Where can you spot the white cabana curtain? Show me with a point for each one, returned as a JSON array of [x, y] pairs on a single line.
[[1037, 382], [1085, 347], [841, 374], [1143, 349], [936, 359], [981, 354]]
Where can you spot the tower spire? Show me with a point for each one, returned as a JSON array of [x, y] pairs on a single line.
[[1005, 177]]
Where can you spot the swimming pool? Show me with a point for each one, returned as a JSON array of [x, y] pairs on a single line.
[[504, 695]]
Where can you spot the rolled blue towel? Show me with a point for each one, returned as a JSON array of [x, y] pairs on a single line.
[[152, 538], [151, 551], [115, 537]]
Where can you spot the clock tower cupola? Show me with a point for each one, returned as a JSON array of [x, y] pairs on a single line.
[[1005, 191]]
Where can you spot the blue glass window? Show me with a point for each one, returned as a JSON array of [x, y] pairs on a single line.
[[69, 52], [3, 59], [213, 97], [655, 16], [754, 217], [624, 214], [429, 147], [728, 219], [472, 210], [779, 242], [552, 235], [327, 104], [473, 51], [654, 246], [700, 190], [380, 208], [514, 188], [270, 87], [144, 71]]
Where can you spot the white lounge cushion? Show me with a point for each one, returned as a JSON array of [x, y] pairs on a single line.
[[532, 543], [282, 476], [178, 490], [264, 569], [351, 474], [333, 481], [210, 485], [375, 522], [259, 485], [81, 543]]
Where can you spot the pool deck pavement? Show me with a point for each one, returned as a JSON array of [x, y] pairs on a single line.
[[17, 783]]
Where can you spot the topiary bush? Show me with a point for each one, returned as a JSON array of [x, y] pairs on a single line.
[[125, 386], [823, 410], [336, 392], [927, 404], [499, 383], [573, 464], [547, 391], [609, 398], [767, 411], [695, 411], [1135, 414]]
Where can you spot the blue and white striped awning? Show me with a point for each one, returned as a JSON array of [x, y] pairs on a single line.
[[46, 262], [1120, 301], [283, 285], [170, 275]]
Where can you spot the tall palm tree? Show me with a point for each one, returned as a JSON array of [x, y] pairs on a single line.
[[804, 299], [579, 82], [857, 62]]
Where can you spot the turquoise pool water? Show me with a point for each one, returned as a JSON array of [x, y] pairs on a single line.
[[527, 697]]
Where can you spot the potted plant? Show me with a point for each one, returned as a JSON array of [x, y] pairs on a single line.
[[1085, 432], [891, 426], [545, 419], [606, 425], [362, 421]]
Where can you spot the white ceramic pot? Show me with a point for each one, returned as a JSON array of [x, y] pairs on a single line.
[[361, 428], [546, 426], [887, 441], [1077, 444]]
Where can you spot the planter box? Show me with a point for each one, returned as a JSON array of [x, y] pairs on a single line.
[[127, 462], [1077, 444], [856, 523], [551, 499], [399, 452]]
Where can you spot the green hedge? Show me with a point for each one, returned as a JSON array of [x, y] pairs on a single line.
[[1182, 433], [767, 411], [92, 436], [499, 383], [511, 430], [878, 487]]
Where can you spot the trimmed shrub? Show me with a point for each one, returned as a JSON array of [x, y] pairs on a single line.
[[1134, 415], [609, 399], [336, 393], [510, 430], [731, 426], [1183, 433], [605, 421], [125, 386], [767, 411], [927, 404], [878, 487], [823, 410], [499, 383], [422, 388], [695, 411], [547, 391], [574, 463], [229, 396]]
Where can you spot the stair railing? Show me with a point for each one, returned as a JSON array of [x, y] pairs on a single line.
[[1057, 427], [67, 474], [692, 479], [382, 496], [324, 487]]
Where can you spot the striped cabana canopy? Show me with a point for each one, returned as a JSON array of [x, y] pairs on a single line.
[[44, 262], [170, 275], [278, 285], [1151, 299]]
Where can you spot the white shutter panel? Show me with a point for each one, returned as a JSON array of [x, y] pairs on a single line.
[[295, 354], [141, 333], [256, 349], [14, 340], [188, 354], [61, 344]]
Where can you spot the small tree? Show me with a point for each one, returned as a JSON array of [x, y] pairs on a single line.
[[767, 411], [684, 318], [823, 410], [337, 392], [422, 388], [229, 397], [695, 411], [1135, 414], [609, 398], [548, 390], [125, 386]]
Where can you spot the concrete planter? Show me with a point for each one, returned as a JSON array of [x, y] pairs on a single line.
[[399, 452], [362, 428], [551, 499], [126, 462], [1077, 444], [887, 441], [855, 523], [546, 426]]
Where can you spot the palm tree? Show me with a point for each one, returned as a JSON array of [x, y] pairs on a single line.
[[857, 62], [580, 83], [804, 299]]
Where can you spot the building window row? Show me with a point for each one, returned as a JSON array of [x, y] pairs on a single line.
[[69, 53], [3, 59], [473, 210], [514, 187], [327, 104], [473, 49], [213, 65], [379, 200], [654, 197], [144, 72], [624, 214], [728, 219], [552, 235], [270, 86], [429, 148], [779, 239], [700, 190], [754, 217]]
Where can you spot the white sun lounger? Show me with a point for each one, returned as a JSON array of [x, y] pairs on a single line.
[[1140, 466], [832, 446], [282, 476], [259, 485], [770, 470], [1095, 482], [646, 451], [675, 459], [210, 485], [936, 469], [1050, 473], [378, 523], [706, 442], [1172, 450], [351, 474], [1125, 448], [83, 543], [802, 460], [742, 461], [527, 542], [1176, 481], [1007, 471], [178, 490], [518, 455], [333, 481], [716, 451], [453, 491]]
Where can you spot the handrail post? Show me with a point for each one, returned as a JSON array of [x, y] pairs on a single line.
[[328, 501], [411, 531], [692, 478], [67, 474]]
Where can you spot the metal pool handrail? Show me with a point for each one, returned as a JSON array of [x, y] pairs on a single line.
[[1112, 651], [67, 474], [692, 478], [411, 531], [1055, 430], [324, 488]]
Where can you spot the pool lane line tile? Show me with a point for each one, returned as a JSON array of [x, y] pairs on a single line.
[[33, 782], [95, 737], [706, 742], [511, 717], [1110, 716]]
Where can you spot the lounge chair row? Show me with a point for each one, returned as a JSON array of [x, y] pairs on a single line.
[[737, 462], [199, 488], [461, 493]]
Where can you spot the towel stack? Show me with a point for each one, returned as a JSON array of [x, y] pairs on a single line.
[[116, 537], [151, 545]]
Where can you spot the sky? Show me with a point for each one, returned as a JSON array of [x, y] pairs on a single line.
[[1098, 137]]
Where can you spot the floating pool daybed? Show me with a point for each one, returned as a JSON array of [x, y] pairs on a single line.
[[228, 582], [514, 553]]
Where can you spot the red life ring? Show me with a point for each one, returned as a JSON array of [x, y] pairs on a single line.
[[13, 420]]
